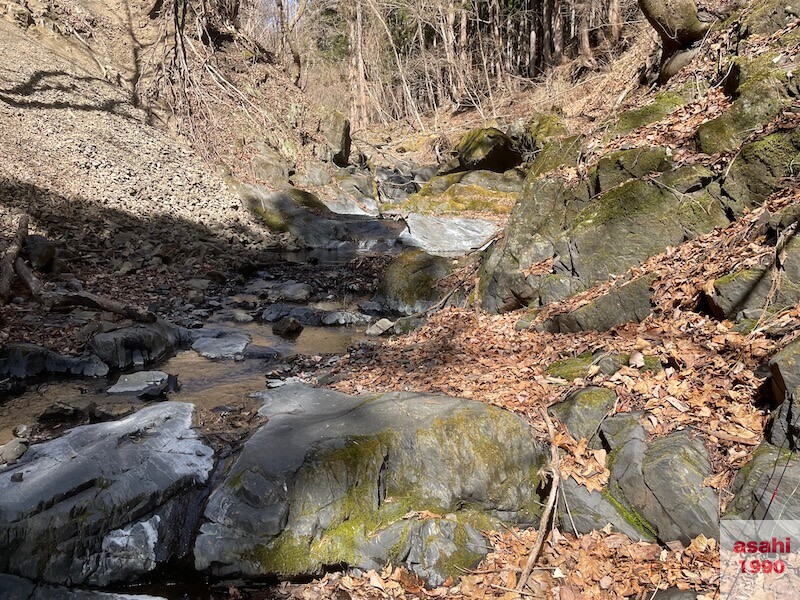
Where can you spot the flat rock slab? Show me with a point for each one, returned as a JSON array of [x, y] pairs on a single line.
[[17, 588], [217, 344], [105, 502], [443, 236], [21, 361], [330, 477], [137, 382]]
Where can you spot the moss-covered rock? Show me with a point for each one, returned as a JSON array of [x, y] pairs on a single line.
[[583, 410], [578, 367], [785, 370], [556, 153], [763, 87], [618, 167], [770, 469], [758, 170], [630, 302], [541, 129], [488, 149], [331, 479], [409, 283], [628, 224], [662, 105], [475, 191], [768, 16]]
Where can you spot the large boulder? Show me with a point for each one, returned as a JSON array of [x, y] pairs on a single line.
[[310, 221], [582, 412], [138, 345], [408, 285], [637, 220], [477, 191], [443, 236], [337, 479], [485, 148], [759, 170], [659, 483], [106, 502]]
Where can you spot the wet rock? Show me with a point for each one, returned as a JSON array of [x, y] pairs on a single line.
[[105, 502], [11, 451], [630, 302], [18, 588], [303, 314], [220, 344], [380, 327], [446, 236], [287, 327], [138, 345], [769, 469], [261, 352], [583, 410], [137, 382], [292, 291], [327, 479], [39, 251], [341, 317], [21, 361], [241, 316]]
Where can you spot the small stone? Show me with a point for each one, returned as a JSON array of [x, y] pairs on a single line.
[[22, 431], [380, 327], [241, 316], [138, 382], [199, 284], [12, 450], [287, 327], [40, 251], [16, 477]]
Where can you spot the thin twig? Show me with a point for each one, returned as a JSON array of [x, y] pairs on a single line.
[[541, 535]]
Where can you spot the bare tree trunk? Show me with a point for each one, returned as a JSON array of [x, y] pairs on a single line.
[[615, 19]]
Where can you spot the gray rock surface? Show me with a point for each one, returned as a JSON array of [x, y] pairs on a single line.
[[105, 502], [328, 479], [630, 302], [785, 370], [443, 236], [11, 451], [220, 344], [137, 382], [138, 345], [18, 588], [765, 487], [380, 327], [581, 511], [660, 483], [21, 361], [583, 411], [783, 430]]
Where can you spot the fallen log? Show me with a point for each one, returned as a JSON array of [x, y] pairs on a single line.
[[90, 300], [7, 263], [25, 273]]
